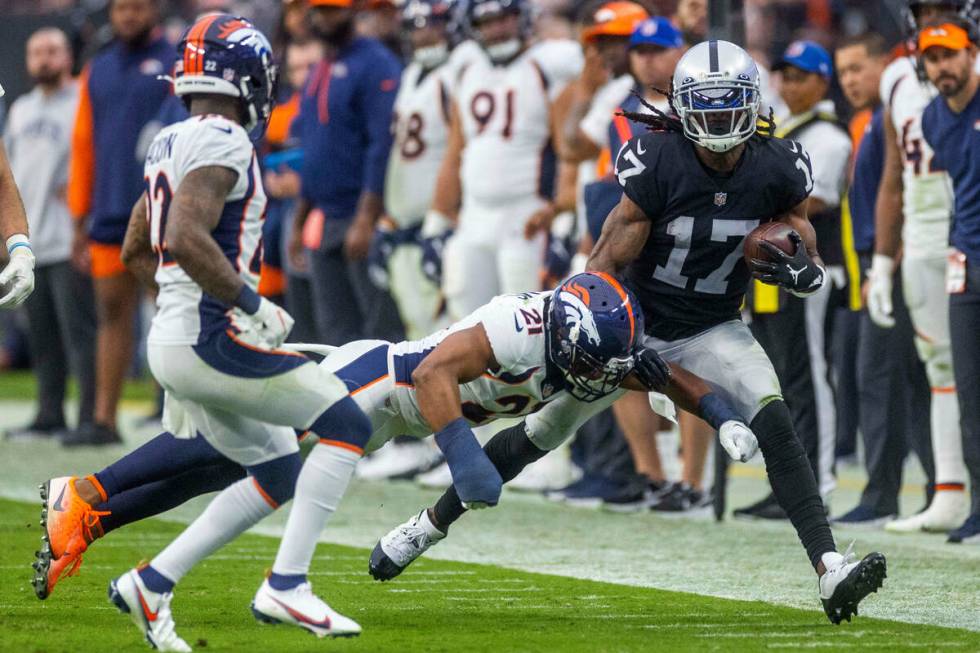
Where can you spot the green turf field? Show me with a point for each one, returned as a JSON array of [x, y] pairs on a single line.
[[437, 606]]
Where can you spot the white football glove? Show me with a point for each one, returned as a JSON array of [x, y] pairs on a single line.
[[880, 291], [738, 440], [17, 279], [271, 325]]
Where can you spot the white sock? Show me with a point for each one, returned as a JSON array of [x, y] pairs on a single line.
[[947, 443], [321, 485], [239, 507]]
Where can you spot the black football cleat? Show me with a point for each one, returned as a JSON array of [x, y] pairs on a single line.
[[846, 584]]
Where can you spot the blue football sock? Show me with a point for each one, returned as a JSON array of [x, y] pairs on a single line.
[[161, 458], [159, 496], [155, 581], [283, 582]]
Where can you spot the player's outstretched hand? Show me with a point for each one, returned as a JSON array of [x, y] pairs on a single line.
[[738, 440], [17, 279], [651, 369], [797, 273], [477, 481], [880, 291], [273, 323]]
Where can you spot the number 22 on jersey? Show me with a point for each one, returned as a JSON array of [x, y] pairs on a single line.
[[158, 197]]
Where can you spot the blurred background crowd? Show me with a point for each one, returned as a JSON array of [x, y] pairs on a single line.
[[333, 235]]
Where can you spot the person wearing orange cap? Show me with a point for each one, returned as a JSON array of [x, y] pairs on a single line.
[[951, 125], [605, 42]]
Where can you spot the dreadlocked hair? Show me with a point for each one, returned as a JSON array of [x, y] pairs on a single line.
[[661, 121]]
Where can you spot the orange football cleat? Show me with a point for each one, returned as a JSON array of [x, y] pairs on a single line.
[[70, 525]]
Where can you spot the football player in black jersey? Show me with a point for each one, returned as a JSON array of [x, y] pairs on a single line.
[[694, 186]]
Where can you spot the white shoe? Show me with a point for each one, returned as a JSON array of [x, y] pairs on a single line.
[[398, 461], [301, 607], [551, 472], [846, 582], [947, 511], [402, 545], [149, 610], [436, 479]]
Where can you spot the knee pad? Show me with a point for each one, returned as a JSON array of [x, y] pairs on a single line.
[[938, 360], [277, 478], [344, 422]]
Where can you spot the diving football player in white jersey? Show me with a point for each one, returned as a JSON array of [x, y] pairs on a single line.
[[913, 189], [499, 168], [212, 344], [555, 357]]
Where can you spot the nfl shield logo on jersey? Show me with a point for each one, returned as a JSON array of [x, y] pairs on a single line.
[[721, 199]]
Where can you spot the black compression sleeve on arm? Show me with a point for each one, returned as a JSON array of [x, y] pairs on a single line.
[[792, 479], [510, 451]]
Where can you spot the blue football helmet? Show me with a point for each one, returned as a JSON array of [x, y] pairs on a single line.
[[594, 326], [419, 14], [227, 55]]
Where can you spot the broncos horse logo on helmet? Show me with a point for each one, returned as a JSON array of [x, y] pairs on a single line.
[[226, 55], [594, 325]]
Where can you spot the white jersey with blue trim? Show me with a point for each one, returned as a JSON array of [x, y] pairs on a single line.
[[505, 116], [520, 385], [927, 193], [186, 315]]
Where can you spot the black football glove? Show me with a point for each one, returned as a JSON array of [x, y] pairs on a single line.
[[651, 369], [797, 273]]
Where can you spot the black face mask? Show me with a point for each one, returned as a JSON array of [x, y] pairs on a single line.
[[339, 35]]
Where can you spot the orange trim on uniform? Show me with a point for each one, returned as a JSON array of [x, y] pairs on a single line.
[[368, 385], [945, 390], [277, 133], [279, 352], [106, 260], [622, 295], [622, 125], [98, 486], [330, 3], [264, 494], [272, 281], [950, 487], [81, 164], [343, 445]]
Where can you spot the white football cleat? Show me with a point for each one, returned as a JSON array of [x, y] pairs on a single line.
[[438, 478], [947, 511], [847, 581], [396, 461], [149, 610], [301, 607], [402, 545]]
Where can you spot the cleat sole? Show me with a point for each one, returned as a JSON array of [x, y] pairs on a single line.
[[865, 579]]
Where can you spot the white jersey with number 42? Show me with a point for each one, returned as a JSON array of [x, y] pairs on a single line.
[[186, 315], [927, 196]]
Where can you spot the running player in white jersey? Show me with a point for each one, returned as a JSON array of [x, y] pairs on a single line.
[[421, 129], [212, 342], [556, 357], [921, 239], [499, 169]]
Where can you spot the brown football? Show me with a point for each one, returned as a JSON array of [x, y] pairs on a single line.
[[776, 233]]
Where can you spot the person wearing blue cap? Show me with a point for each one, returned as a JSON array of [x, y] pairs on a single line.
[[801, 364]]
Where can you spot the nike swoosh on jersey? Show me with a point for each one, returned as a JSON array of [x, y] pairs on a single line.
[[517, 325], [226, 130], [639, 148], [57, 504]]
